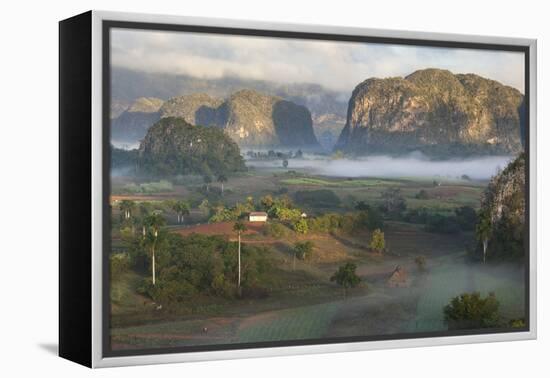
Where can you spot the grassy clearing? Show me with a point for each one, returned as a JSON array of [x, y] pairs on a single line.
[[308, 322], [123, 294]]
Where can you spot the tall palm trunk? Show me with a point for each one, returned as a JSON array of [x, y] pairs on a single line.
[[153, 265], [239, 278], [153, 258], [485, 242], [222, 188]]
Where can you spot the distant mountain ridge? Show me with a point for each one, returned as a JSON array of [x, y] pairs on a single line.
[[132, 124], [434, 111], [327, 107], [250, 118]]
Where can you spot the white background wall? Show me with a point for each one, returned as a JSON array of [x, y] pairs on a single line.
[[28, 210]]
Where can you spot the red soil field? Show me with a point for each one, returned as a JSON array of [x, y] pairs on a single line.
[[221, 228]]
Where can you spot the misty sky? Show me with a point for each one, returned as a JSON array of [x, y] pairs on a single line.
[[335, 65]]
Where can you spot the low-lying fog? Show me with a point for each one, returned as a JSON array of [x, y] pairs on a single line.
[[414, 165], [125, 145]]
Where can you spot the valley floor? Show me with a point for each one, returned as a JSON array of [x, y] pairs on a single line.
[[311, 307]]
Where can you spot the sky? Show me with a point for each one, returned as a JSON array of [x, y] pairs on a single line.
[[335, 65]]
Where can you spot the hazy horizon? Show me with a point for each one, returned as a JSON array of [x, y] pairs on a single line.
[[335, 65]]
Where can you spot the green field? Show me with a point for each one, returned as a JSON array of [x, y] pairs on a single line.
[[344, 183], [308, 322]]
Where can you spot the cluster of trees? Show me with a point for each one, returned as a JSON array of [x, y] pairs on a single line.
[[273, 155], [462, 218], [133, 214], [280, 208], [174, 147], [221, 213], [394, 206], [147, 187], [184, 267], [208, 178], [121, 158], [364, 218], [322, 198], [283, 210], [472, 311], [180, 267]]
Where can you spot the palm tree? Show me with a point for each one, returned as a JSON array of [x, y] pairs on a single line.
[[207, 179], [153, 223], [182, 209], [239, 227], [221, 179], [483, 231], [126, 207]]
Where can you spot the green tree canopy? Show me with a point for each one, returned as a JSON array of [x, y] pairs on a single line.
[[345, 276], [377, 242], [300, 226], [303, 250], [472, 311], [172, 146]]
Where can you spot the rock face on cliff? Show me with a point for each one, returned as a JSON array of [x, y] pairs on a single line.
[[132, 124], [502, 214], [196, 109], [434, 111], [250, 118]]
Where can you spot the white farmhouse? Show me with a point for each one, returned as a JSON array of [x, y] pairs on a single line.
[[257, 216]]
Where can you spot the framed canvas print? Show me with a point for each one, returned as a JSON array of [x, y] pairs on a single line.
[[234, 189]]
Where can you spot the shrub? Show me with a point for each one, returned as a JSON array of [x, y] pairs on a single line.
[[300, 226], [288, 215], [303, 250], [345, 276], [471, 311], [420, 262], [377, 242]]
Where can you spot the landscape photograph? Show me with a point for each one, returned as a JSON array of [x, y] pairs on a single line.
[[271, 191]]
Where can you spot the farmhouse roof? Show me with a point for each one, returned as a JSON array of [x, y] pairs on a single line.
[[258, 214], [398, 278]]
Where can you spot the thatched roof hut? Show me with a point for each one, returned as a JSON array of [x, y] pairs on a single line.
[[399, 278]]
